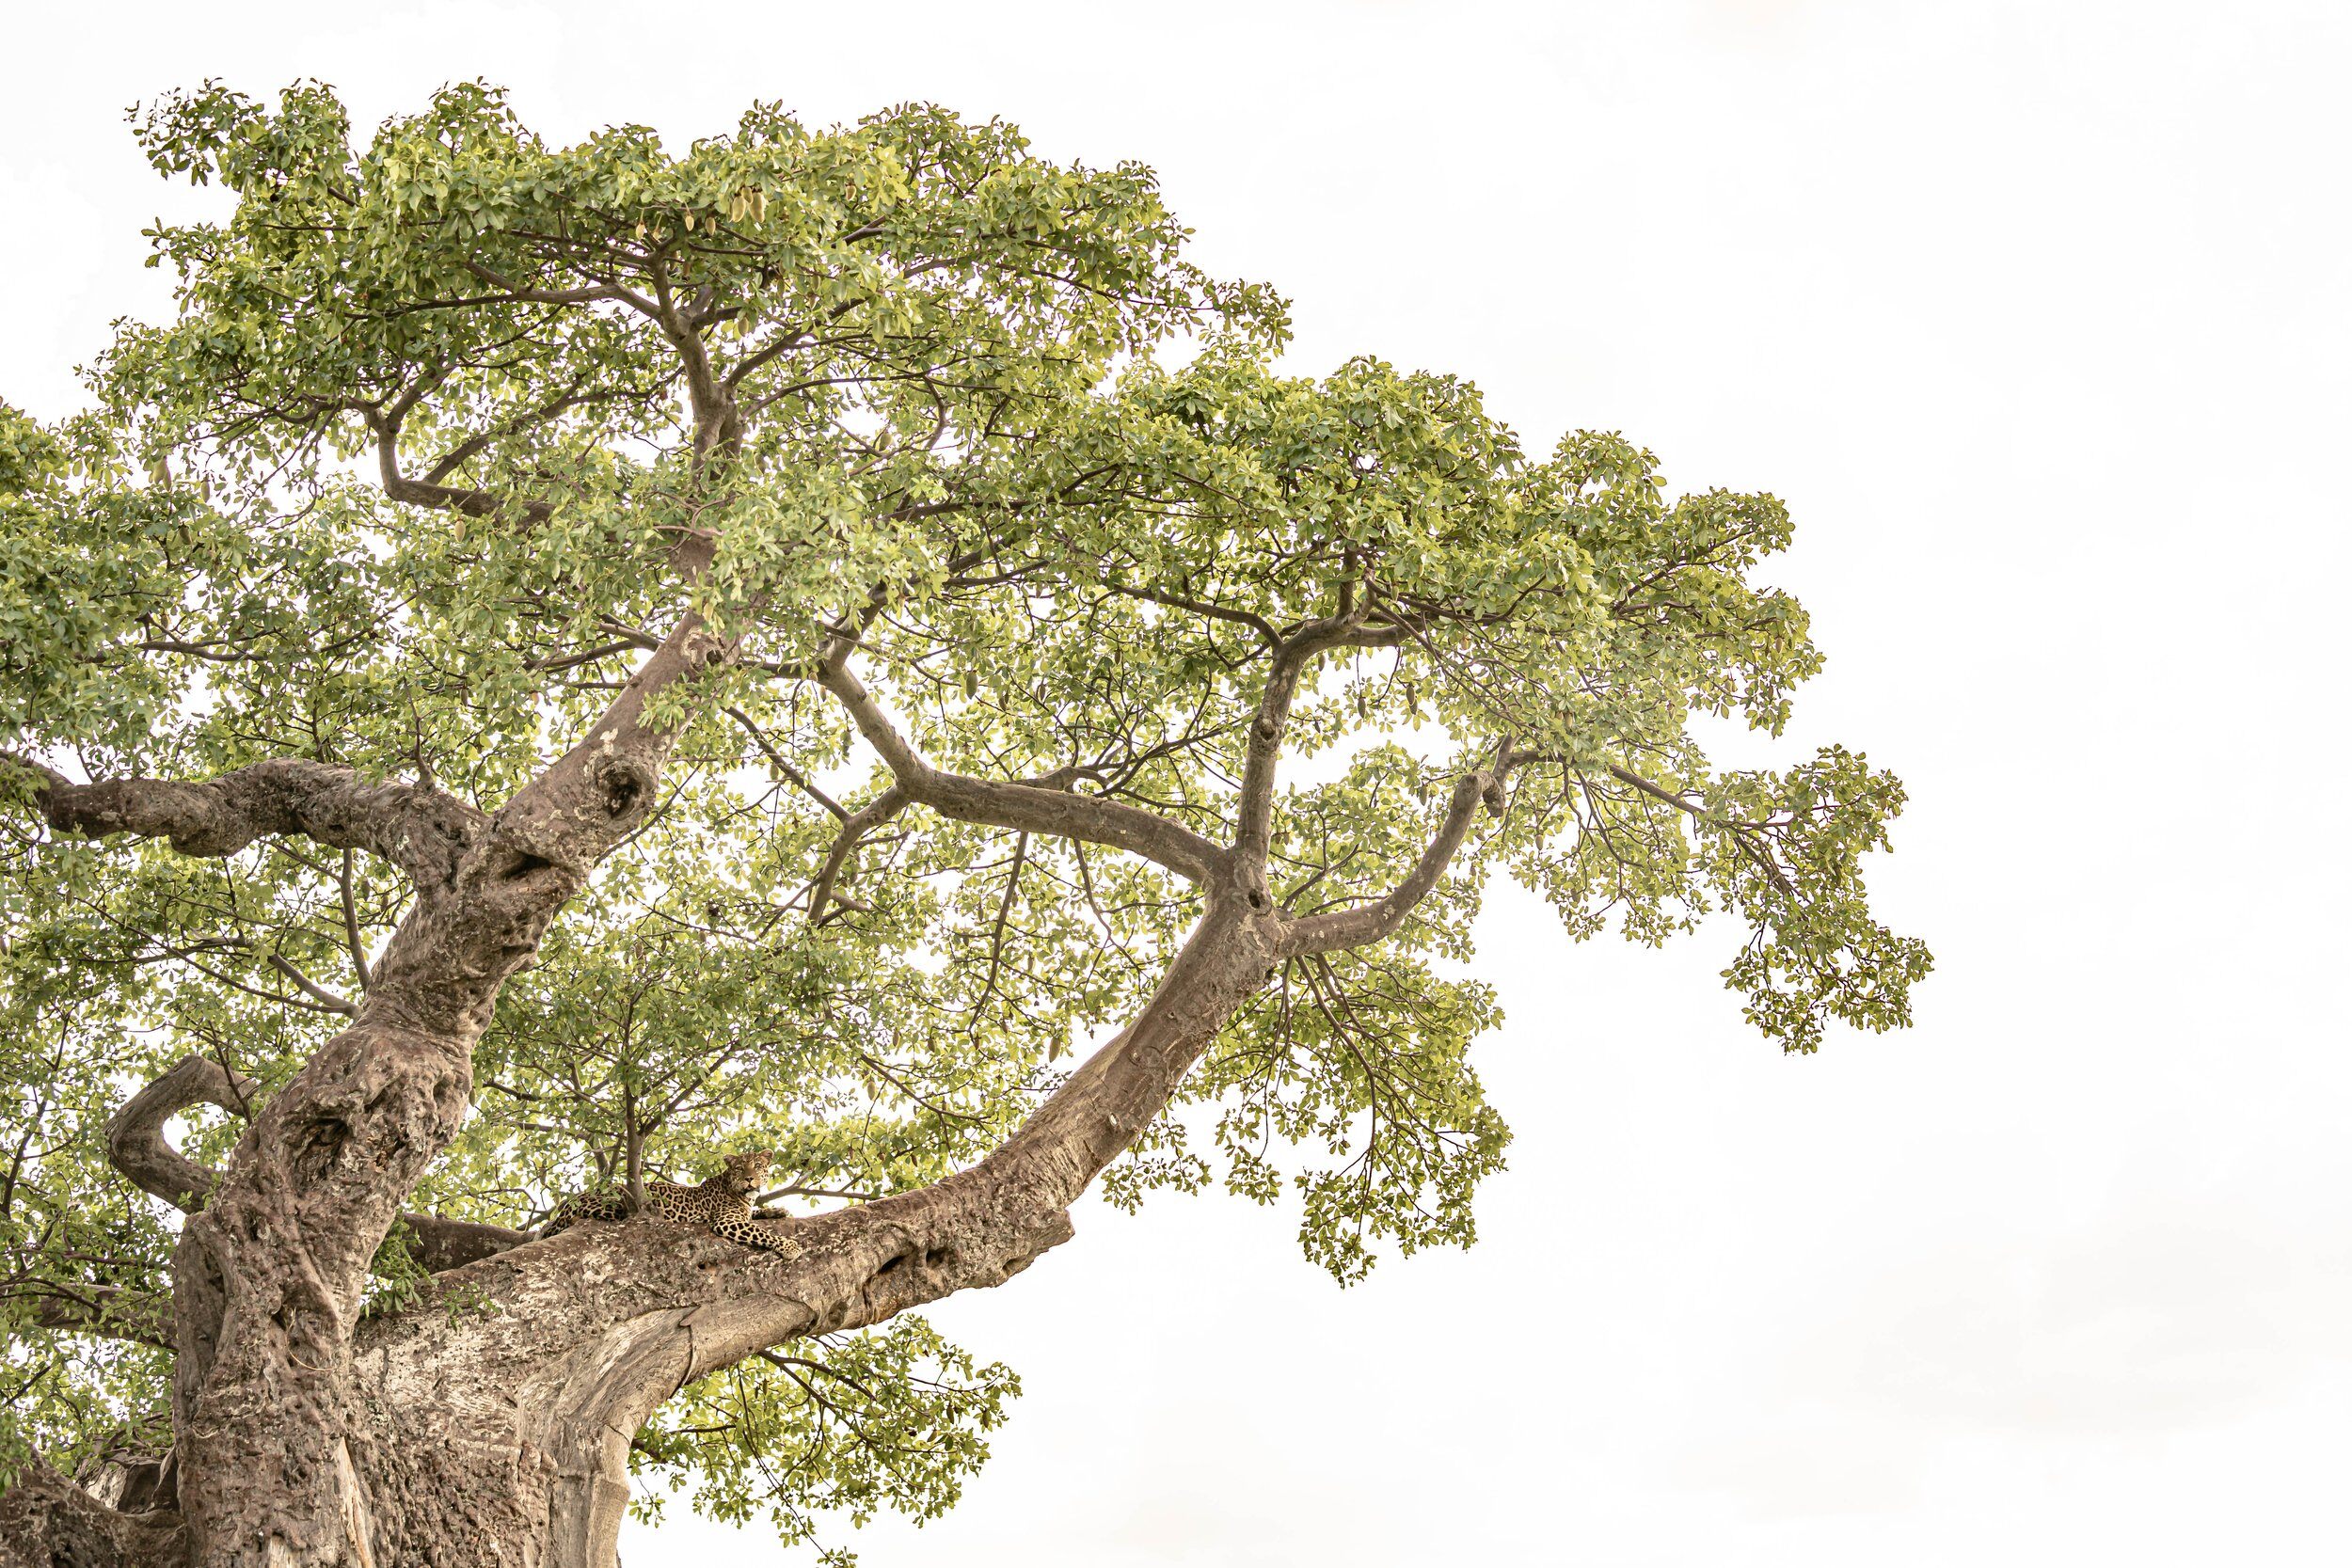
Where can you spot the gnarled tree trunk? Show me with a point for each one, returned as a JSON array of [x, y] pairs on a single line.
[[489, 1423]]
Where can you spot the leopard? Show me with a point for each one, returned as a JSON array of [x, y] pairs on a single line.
[[720, 1205]]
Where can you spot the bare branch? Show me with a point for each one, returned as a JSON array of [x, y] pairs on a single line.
[[135, 1136], [421, 830], [774, 1192], [1365, 924], [1027, 808], [586, 655], [885, 806], [996, 936], [776, 759], [1256, 623]]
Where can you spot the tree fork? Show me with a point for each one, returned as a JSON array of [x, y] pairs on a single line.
[[269, 1271], [920, 411]]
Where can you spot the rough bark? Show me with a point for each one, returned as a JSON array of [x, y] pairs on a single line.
[[48, 1522], [272, 1261], [538, 1365], [135, 1146], [490, 1423]]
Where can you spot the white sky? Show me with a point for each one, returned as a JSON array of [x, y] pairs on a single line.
[[2037, 315]]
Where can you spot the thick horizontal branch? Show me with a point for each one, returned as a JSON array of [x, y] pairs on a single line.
[[1026, 808], [438, 1243], [421, 830]]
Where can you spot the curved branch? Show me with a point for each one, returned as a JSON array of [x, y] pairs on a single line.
[[386, 421], [856, 1266], [135, 1145], [328, 1001], [420, 829], [1026, 808], [446, 498], [1365, 924]]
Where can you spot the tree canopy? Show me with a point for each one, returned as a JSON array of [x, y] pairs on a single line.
[[1019, 558]]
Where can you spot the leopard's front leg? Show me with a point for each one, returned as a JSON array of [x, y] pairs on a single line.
[[748, 1232]]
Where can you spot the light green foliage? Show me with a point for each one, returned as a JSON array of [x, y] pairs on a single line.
[[847, 1424], [963, 435]]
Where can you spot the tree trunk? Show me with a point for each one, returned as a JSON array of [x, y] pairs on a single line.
[[488, 1424]]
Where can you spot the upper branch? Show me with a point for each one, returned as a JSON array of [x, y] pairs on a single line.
[[1254, 832], [1365, 924], [420, 829], [110, 1311], [1027, 808]]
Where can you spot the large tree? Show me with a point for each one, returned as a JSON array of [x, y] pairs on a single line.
[[560, 664]]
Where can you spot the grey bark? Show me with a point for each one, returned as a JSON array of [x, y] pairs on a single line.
[[490, 1424]]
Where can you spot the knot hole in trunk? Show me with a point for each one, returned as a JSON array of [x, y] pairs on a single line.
[[626, 783], [931, 1258]]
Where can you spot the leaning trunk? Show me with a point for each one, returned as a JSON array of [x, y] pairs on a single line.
[[488, 1425], [267, 1282]]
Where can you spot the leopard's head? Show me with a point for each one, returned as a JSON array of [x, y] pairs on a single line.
[[747, 1172]]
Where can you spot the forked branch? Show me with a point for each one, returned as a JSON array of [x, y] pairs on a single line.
[[886, 806], [1365, 924], [1024, 808], [1254, 829]]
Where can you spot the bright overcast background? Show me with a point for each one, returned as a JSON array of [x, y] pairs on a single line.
[[2036, 315]]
